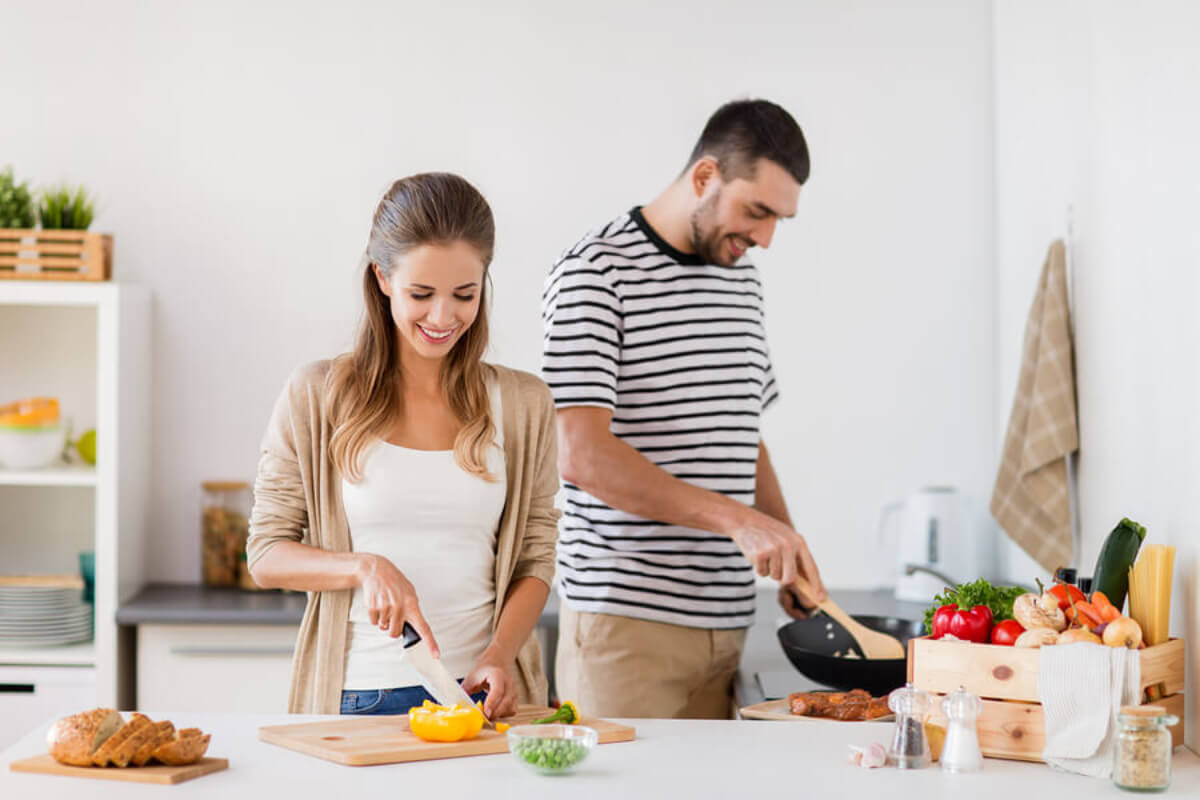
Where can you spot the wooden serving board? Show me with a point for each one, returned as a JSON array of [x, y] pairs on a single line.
[[780, 710], [360, 741], [45, 765]]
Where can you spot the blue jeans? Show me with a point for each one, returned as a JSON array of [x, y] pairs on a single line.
[[388, 701]]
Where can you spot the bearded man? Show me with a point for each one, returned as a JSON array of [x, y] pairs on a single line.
[[656, 352]]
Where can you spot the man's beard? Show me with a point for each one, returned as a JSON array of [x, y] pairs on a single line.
[[706, 239]]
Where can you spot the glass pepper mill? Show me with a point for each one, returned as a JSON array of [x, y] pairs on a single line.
[[961, 753], [909, 748]]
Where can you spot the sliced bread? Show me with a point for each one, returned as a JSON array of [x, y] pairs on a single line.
[[103, 756], [163, 732]]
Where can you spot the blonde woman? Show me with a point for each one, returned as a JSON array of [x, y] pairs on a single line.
[[410, 481]]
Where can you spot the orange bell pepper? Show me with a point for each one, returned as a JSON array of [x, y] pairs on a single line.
[[435, 723]]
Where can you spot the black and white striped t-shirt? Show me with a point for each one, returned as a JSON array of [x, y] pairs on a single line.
[[677, 349]]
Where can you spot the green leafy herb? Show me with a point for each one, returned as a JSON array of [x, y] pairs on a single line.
[[977, 593], [67, 209], [16, 204]]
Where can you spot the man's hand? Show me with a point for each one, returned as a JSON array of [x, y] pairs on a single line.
[[796, 605], [776, 550]]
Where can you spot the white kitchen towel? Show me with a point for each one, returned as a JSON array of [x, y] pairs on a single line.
[[1082, 687]]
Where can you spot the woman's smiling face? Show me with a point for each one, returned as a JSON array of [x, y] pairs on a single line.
[[435, 291]]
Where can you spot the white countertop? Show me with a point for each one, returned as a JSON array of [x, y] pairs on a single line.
[[670, 759]]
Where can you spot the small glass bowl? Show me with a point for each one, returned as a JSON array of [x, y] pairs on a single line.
[[551, 749]]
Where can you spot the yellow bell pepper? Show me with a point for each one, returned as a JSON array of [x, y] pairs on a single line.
[[435, 723]]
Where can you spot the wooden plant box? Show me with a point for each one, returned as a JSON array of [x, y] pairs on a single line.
[[27, 254], [1006, 679]]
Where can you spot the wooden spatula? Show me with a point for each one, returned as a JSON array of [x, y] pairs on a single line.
[[872, 643]]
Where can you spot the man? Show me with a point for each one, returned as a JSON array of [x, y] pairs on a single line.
[[656, 353]]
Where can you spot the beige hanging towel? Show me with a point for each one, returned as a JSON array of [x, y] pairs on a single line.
[[1031, 500]]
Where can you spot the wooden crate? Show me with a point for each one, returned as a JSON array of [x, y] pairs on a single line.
[[27, 254], [1012, 724]]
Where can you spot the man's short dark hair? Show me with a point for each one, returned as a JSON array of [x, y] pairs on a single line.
[[743, 131]]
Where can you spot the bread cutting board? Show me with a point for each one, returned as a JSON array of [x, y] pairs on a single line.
[[360, 741], [45, 765]]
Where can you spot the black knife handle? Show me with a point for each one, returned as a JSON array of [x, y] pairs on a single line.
[[410, 635]]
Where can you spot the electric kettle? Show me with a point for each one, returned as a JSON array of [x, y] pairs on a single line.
[[935, 545]]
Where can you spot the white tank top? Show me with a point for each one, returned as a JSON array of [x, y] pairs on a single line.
[[438, 525]]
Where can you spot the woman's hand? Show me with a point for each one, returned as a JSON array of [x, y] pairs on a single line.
[[497, 675], [391, 599]]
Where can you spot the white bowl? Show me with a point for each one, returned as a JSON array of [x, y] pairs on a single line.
[[31, 448]]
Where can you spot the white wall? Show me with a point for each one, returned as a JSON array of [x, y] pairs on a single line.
[[239, 149], [1096, 110]]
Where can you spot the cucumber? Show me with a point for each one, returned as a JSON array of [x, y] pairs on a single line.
[[1116, 557]]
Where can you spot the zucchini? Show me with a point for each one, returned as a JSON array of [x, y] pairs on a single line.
[[1116, 557]]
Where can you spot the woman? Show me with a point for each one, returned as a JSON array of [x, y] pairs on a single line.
[[410, 481]]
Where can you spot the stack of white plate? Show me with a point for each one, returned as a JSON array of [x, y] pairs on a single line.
[[43, 616]]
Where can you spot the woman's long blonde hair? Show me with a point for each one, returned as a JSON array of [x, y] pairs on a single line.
[[365, 389]]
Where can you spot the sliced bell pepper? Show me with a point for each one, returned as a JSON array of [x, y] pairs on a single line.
[[435, 723]]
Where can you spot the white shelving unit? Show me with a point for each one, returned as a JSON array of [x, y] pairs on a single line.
[[89, 344], [68, 475]]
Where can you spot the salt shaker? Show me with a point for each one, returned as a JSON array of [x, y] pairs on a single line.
[[961, 753], [909, 748]]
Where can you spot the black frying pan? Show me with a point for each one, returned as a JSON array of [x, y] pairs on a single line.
[[810, 645]]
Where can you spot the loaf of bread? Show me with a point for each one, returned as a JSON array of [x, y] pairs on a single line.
[[75, 739], [101, 738]]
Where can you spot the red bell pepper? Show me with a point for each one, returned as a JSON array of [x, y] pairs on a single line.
[[1006, 632], [973, 625]]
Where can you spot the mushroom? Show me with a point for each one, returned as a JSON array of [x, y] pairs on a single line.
[[1039, 612], [1036, 637]]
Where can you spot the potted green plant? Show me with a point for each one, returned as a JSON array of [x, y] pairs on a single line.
[[63, 208], [16, 203]]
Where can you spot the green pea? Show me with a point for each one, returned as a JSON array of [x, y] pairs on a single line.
[[551, 754]]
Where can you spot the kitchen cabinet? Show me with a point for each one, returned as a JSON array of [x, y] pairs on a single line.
[[216, 667], [89, 345], [30, 694]]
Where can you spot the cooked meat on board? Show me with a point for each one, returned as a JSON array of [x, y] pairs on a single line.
[[855, 705]]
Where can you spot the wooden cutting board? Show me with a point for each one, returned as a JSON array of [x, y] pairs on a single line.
[[45, 765], [362, 741]]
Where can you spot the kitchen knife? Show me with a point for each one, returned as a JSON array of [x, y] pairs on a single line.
[[436, 679]]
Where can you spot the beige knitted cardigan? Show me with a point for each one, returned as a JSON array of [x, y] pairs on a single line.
[[298, 497]]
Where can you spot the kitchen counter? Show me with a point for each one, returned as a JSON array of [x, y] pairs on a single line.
[[671, 758], [765, 672], [196, 604], [186, 603]]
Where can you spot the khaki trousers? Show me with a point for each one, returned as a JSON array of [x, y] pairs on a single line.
[[613, 666]]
